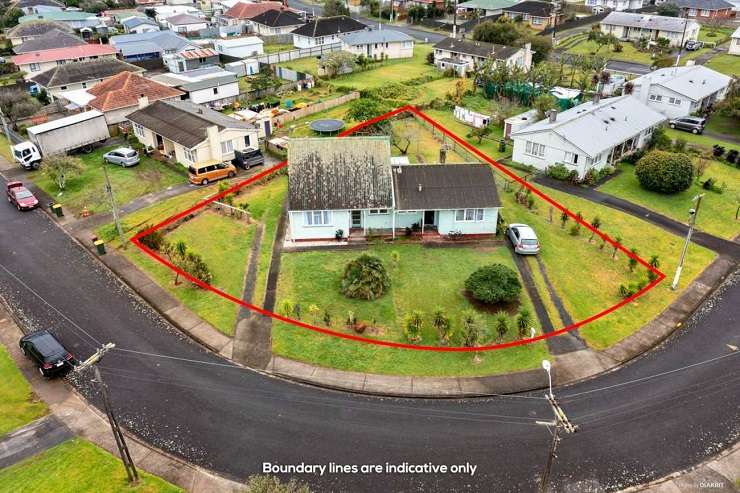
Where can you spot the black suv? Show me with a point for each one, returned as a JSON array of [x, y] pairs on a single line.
[[247, 158], [47, 352], [692, 124]]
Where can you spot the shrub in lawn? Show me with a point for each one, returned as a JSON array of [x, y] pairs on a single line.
[[575, 230], [314, 312], [412, 325], [679, 145], [287, 308], [717, 150], [596, 224], [395, 257], [634, 157], [153, 240], [494, 283], [617, 241], [472, 329], [441, 323], [563, 219], [655, 263], [297, 311], [365, 277], [664, 172], [632, 262], [327, 318], [731, 157], [197, 267], [558, 171], [523, 321], [502, 324], [351, 320]]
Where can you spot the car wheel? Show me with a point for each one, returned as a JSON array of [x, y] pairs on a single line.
[[232, 174], [204, 182], [694, 131], [673, 126]]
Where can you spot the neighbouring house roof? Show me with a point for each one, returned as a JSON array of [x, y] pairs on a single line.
[[477, 48], [197, 53], [236, 42], [326, 26], [375, 36], [37, 28], [339, 173], [633, 68], [486, 4], [694, 82], [150, 42], [703, 4], [444, 186], [72, 73], [208, 82], [183, 122], [531, 7], [21, 4], [55, 38], [184, 20], [61, 16], [135, 21], [644, 21], [596, 127], [200, 78], [278, 18], [125, 89], [73, 52], [244, 10]]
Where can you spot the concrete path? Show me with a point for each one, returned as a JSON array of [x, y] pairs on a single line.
[[719, 245], [32, 439]]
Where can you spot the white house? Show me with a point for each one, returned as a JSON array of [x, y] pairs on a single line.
[[346, 187], [681, 91], [39, 6], [589, 136], [379, 44], [136, 25], [162, 13], [248, 66], [734, 48], [325, 30], [247, 46], [632, 27], [617, 5], [465, 56], [276, 21], [211, 86], [186, 23], [191, 134]]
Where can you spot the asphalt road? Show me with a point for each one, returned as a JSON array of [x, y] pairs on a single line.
[[197, 406]]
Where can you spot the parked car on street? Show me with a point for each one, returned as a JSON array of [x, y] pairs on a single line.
[[47, 352], [524, 239], [203, 174], [123, 156], [247, 158], [21, 197], [693, 124], [692, 45]]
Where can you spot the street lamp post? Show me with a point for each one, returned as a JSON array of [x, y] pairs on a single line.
[[692, 221]]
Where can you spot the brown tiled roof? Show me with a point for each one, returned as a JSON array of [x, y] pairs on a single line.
[[123, 90], [201, 53], [243, 10]]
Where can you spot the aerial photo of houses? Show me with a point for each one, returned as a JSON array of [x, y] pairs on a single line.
[[294, 246]]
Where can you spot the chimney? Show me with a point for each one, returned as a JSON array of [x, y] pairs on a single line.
[[214, 142], [420, 187], [597, 97], [143, 101], [553, 114]]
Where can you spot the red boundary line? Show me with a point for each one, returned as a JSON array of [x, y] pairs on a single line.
[[660, 276]]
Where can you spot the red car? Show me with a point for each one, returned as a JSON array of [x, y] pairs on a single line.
[[21, 197]]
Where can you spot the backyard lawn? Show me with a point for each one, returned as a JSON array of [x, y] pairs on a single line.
[[277, 47], [424, 146], [74, 466], [18, 404], [629, 53], [725, 63], [87, 188], [489, 145], [423, 279], [717, 213]]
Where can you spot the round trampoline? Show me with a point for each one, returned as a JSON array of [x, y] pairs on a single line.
[[327, 127]]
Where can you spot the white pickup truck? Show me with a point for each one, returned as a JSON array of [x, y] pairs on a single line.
[[67, 134]]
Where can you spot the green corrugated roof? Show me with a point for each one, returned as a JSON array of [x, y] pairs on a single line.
[[487, 4]]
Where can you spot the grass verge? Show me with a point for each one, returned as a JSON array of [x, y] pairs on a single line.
[[18, 404]]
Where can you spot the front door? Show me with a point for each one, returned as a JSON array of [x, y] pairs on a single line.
[[428, 218], [160, 142], [356, 219]]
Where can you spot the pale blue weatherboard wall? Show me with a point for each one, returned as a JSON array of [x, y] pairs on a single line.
[[339, 220], [446, 223]]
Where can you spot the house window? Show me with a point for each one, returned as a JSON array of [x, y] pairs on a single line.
[[191, 155], [63, 88], [138, 130], [407, 212], [535, 149], [536, 21], [378, 212], [692, 12], [316, 218], [469, 215], [656, 97], [215, 90], [61, 62], [674, 101], [84, 85], [704, 13], [227, 147], [571, 158]]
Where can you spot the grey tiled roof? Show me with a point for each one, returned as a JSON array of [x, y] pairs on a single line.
[[477, 48], [326, 26], [52, 39], [703, 4], [37, 28], [645, 21], [444, 186], [71, 73], [375, 36]]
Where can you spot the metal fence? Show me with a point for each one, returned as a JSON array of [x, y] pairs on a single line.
[[286, 56]]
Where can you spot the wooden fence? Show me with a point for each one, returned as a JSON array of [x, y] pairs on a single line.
[[281, 120]]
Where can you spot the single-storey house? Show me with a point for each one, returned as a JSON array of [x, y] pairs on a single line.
[[212, 86], [276, 21], [465, 56], [535, 14], [80, 75], [150, 45], [39, 6], [241, 12], [34, 30], [186, 23], [617, 5], [75, 20], [325, 30], [51, 40], [136, 25], [347, 187], [379, 43], [190, 133], [590, 136], [190, 59], [484, 8], [704, 10], [41, 61], [161, 14], [632, 27], [681, 91], [244, 47], [734, 48]]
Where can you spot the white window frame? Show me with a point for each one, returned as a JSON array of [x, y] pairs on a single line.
[[704, 13], [138, 130], [191, 155], [227, 146], [34, 67], [407, 212], [571, 157], [534, 149], [470, 215], [378, 212], [313, 219], [674, 101]]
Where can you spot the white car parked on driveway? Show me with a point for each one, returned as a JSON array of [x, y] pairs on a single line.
[[524, 239], [123, 156]]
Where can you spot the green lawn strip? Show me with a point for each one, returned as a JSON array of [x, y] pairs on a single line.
[[629, 53], [424, 279], [725, 63], [87, 188], [18, 404], [723, 125], [5, 149], [717, 214], [74, 466], [595, 287], [703, 141], [715, 34], [278, 47], [539, 283]]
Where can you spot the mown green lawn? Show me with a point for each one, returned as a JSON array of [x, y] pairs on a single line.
[[18, 404], [586, 277], [715, 34], [77, 466], [5, 151], [277, 47], [717, 213], [87, 189], [725, 63], [423, 279], [629, 52], [424, 146]]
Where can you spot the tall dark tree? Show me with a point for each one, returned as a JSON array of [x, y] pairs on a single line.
[[504, 33], [335, 7]]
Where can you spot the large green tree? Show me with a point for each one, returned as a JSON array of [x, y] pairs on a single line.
[[335, 7]]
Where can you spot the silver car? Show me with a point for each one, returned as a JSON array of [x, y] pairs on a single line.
[[123, 156], [524, 239]]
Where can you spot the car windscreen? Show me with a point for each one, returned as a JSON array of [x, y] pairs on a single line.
[[23, 194], [192, 170]]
